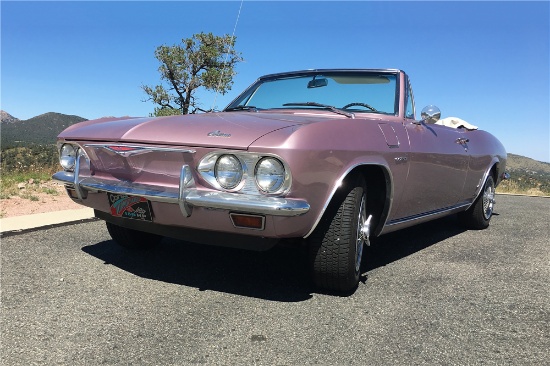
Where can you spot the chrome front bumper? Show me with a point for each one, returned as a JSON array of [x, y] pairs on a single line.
[[186, 196]]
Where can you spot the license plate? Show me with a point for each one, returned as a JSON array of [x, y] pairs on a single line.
[[130, 207]]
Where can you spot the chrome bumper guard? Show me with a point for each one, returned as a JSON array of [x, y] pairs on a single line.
[[187, 196]]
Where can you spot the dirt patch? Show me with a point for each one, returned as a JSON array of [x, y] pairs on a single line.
[[33, 199]]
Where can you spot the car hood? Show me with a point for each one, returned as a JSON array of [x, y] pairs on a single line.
[[230, 129]]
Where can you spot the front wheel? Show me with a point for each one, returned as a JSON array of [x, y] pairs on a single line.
[[336, 245], [132, 239], [479, 215]]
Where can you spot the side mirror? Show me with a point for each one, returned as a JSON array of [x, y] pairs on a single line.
[[430, 114]]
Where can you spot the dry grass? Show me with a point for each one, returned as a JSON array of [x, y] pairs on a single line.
[[512, 187], [26, 185], [32, 193]]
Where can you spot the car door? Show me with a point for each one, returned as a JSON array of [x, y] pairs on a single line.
[[438, 166]]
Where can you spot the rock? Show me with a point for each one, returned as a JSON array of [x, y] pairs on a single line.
[[21, 186]]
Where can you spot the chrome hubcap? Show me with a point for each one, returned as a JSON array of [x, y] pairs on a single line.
[[363, 232], [488, 201]]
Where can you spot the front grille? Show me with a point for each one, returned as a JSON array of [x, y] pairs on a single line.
[[138, 164]]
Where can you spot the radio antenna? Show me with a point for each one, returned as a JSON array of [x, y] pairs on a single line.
[[226, 56]]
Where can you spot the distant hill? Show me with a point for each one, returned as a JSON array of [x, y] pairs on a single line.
[[522, 163], [5, 118], [41, 129], [526, 176]]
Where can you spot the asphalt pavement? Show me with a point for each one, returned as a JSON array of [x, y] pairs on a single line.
[[431, 294]]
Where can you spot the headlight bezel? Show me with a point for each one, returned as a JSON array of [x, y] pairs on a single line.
[[282, 176], [249, 162], [239, 171], [68, 153], [207, 170]]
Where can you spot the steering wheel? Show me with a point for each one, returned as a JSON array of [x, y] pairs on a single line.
[[360, 104]]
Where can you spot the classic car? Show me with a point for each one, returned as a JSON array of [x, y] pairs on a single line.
[[325, 158]]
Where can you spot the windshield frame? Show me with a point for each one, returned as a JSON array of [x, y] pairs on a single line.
[[243, 98]]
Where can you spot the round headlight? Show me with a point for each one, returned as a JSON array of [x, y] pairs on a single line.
[[270, 175], [228, 171], [67, 156]]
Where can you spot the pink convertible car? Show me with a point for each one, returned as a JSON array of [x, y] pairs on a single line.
[[329, 157]]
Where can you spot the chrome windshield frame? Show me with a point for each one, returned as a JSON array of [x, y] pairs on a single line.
[[244, 97]]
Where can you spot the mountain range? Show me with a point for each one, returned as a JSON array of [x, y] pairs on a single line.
[[42, 129], [5, 117]]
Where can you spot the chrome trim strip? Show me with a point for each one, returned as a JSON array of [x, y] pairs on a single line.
[[141, 148], [317, 71], [398, 224], [70, 179], [188, 196], [276, 206], [78, 190], [186, 180], [425, 215], [63, 177], [152, 193]]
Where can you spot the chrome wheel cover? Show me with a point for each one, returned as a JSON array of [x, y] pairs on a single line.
[[488, 201], [361, 236]]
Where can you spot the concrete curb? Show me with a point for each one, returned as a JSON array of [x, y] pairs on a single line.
[[519, 194], [27, 222]]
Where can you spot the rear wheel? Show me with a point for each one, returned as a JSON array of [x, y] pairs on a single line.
[[479, 214], [132, 239], [336, 245]]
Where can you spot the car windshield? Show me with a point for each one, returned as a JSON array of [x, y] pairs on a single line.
[[355, 92]]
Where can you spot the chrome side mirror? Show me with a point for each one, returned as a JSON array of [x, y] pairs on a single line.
[[430, 114]]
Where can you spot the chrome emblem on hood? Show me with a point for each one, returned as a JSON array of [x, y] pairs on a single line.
[[218, 133]]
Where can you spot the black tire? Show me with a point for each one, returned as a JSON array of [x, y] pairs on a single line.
[[132, 239], [336, 245], [478, 216]]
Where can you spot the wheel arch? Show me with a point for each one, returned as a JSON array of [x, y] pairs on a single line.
[[498, 171], [378, 179], [493, 171]]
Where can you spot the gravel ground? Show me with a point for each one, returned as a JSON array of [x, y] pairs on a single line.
[[32, 199], [432, 294]]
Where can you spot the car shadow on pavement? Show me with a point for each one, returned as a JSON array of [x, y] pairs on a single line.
[[400, 244], [280, 274]]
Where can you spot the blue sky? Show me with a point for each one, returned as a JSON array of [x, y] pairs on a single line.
[[484, 61]]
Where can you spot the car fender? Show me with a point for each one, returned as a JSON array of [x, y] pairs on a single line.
[[354, 166], [494, 161]]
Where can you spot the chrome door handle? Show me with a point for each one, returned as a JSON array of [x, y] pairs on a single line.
[[462, 140]]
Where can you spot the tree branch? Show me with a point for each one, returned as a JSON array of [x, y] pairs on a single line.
[[204, 60]]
